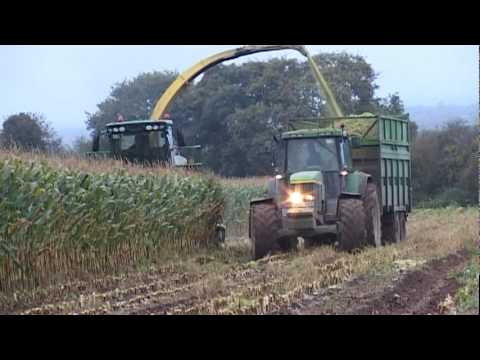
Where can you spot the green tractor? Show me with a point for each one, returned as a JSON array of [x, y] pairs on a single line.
[[150, 142], [340, 180]]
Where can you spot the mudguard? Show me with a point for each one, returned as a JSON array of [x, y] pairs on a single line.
[[356, 185]]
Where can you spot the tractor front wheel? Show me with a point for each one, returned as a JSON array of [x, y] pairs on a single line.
[[352, 231], [264, 226]]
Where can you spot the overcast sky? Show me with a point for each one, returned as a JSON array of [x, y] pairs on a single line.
[[62, 82]]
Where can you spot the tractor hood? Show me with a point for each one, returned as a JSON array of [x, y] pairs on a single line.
[[304, 177]]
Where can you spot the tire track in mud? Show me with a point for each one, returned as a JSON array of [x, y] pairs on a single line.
[[419, 292]]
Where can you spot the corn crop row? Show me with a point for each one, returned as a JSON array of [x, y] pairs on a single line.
[[55, 223]]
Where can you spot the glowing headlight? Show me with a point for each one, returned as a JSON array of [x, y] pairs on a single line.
[[344, 173], [155, 127], [122, 129], [309, 197], [296, 198], [115, 130], [149, 128]]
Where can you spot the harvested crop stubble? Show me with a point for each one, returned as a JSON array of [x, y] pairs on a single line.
[[59, 223]]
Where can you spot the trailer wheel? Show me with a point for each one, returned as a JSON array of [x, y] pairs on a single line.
[[403, 226], [394, 228], [264, 226], [352, 232], [373, 216]]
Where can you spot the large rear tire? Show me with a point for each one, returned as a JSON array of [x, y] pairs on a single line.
[[373, 216], [352, 232], [264, 226]]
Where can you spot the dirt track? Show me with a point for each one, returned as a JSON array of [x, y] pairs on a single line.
[[419, 292], [414, 277], [409, 292]]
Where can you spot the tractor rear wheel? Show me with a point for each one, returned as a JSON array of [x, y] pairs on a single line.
[[373, 216], [352, 232], [264, 226]]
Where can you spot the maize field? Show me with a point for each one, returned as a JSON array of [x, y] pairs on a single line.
[[60, 223]]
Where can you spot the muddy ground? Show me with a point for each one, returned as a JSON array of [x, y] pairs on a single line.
[[417, 276], [426, 291]]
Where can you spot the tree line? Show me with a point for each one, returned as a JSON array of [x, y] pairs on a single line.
[[235, 109]]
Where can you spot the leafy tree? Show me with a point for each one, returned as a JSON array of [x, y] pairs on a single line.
[[134, 99], [235, 109], [29, 132], [445, 164], [392, 105], [82, 145]]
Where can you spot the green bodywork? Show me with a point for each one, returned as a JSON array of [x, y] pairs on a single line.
[[354, 181], [380, 150], [306, 177]]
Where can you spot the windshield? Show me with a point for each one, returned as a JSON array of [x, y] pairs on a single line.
[[142, 146], [312, 154], [153, 140]]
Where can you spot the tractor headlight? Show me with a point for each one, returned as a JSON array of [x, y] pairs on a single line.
[[296, 198], [309, 197]]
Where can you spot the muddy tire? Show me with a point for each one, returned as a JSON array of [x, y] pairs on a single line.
[[394, 228], [288, 244], [373, 216], [264, 226], [352, 232]]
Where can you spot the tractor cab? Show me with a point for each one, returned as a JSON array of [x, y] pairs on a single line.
[[314, 164], [324, 150], [147, 142]]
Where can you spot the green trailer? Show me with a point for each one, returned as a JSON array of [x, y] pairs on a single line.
[[346, 178], [381, 148]]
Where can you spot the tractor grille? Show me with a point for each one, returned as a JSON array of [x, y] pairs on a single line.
[[332, 184], [307, 189], [332, 190]]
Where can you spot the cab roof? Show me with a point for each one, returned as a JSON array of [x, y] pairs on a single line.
[[140, 122]]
